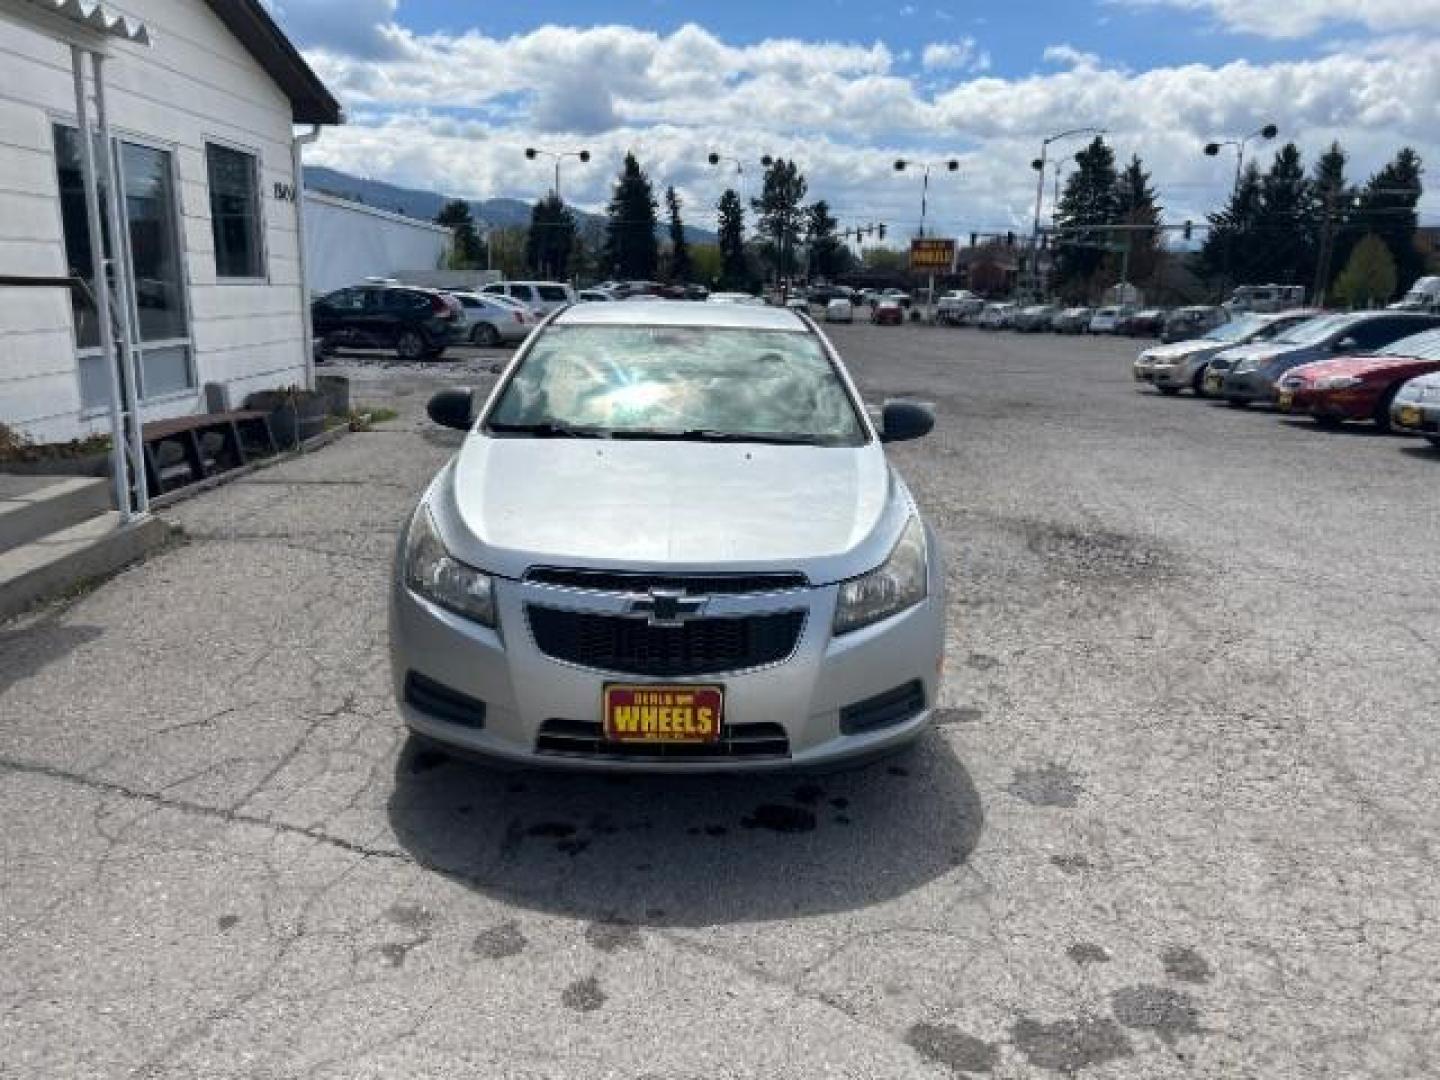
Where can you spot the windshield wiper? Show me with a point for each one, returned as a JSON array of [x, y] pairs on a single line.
[[716, 436], [549, 429]]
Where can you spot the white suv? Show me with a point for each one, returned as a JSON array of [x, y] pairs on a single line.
[[542, 297]]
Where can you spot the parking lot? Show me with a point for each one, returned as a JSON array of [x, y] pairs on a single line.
[[1177, 817]]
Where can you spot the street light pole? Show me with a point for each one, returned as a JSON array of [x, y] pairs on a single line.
[[1039, 166], [903, 163], [532, 153], [1269, 131]]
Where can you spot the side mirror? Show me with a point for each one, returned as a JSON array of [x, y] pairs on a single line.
[[454, 407], [904, 420], [1345, 345]]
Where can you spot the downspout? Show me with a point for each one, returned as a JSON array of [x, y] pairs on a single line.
[[297, 145]]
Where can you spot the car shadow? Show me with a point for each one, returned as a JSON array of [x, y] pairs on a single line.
[[689, 850], [1354, 427], [1424, 451]]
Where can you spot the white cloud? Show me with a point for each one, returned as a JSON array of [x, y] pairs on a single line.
[[1069, 56], [454, 112], [1300, 18], [962, 55]]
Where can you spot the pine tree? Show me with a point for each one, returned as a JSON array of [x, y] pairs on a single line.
[[1229, 240], [734, 273], [679, 250], [1283, 243], [1335, 234], [631, 252], [782, 217], [828, 256], [1089, 202], [468, 251], [1387, 209], [1369, 278], [551, 240], [1135, 205]]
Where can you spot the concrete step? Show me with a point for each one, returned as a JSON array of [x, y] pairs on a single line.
[[53, 565], [36, 506]]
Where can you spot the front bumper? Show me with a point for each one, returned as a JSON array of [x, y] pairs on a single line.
[[1352, 404], [522, 688], [1249, 386]]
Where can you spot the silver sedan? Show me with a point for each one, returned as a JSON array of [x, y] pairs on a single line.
[[1181, 365], [671, 540]]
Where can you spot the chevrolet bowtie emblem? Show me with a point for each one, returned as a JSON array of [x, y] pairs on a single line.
[[663, 607]]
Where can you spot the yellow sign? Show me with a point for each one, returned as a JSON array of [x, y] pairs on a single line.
[[932, 256]]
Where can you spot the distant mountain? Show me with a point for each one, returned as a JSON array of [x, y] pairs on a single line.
[[417, 203]]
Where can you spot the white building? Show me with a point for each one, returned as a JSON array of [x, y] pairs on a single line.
[[201, 98], [346, 242]]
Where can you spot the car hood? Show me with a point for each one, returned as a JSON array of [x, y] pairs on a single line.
[[1364, 365], [505, 505], [1255, 354], [1181, 350]]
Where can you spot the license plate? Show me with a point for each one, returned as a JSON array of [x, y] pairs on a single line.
[[655, 713], [1286, 399]]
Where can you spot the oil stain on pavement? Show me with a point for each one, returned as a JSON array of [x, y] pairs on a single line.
[[1070, 1045], [583, 995], [499, 942], [1168, 1013], [1049, 785], [952, 1047]]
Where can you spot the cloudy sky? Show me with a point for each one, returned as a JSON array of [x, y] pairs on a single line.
[[446, 95]]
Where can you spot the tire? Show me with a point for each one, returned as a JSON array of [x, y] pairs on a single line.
[[1197, 384], [485, 335], [435, 352], [1168, 391], [1237, 403], [1381, 415], [1330, 423], [1434, 440], [410, 345]]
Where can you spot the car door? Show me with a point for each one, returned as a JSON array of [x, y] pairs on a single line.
[[331, 314]]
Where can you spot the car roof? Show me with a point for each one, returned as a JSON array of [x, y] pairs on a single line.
[[681, 313]]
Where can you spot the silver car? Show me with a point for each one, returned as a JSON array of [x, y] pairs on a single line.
[[1417, 407], [1181, 364], [493, 320], [670, 540]]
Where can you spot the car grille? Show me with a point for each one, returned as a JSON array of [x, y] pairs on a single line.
[[695, 584], [633, 647], [586, 738], [884, 710]]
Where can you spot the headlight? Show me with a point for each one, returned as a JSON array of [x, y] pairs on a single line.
[[899, 583], [1338, 382], [433, 574]]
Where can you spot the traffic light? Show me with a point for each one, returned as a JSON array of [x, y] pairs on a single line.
[[1187, 230]]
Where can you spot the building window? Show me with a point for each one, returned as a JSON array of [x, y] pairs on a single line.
[[235, 212]]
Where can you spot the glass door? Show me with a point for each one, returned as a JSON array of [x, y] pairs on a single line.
[[152, 246]]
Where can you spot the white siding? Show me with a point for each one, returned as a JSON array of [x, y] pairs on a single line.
[[347, 242], [196, 84]]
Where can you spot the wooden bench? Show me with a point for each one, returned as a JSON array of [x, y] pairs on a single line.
[[198, 461]]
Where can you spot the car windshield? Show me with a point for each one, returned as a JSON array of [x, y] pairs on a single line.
[[1424, 346], [1316, 330], [552, 292], [1236, 331], [701, 383]]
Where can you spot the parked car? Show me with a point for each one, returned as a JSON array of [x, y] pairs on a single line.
[[900, 296], [735, 298], [1358, 387], [492, 320], [954, 307], [1417, 407], [415, 322], [823, 294], [1423, 295], [1185, 323], [798, 303], [839, 310], [594, 296], [1036, 317], [1145, 323], [887, 313], [543, 296], [797, 622], [1108, 320], [998, 316], [1073, 320], [1249, 373], [1181, 365]]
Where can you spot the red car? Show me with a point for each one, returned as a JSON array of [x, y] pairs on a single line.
[[887, 313], [1358, 387]]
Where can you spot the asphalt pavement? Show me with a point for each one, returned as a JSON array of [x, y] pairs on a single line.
[[1177, 817]]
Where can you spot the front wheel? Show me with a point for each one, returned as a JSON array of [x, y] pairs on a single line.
[[485, 335], [410, 345], [1168, 391], [1381, 414]]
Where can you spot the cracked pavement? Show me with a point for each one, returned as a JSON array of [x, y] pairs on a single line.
[[1176, 819]]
